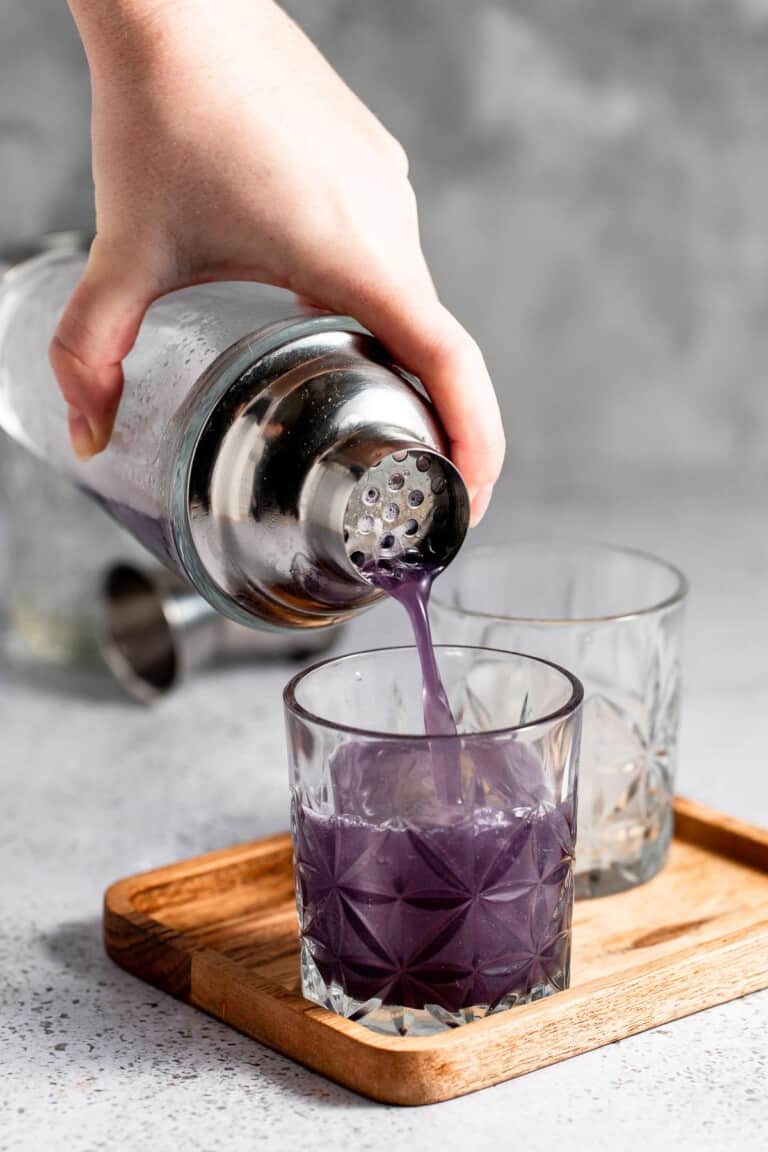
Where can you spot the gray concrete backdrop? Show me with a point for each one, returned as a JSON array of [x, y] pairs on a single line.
[[593, 179]]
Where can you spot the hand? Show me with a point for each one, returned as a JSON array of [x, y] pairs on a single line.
[[226, 148]]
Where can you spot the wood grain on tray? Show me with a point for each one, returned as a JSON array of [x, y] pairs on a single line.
[[220, 932]]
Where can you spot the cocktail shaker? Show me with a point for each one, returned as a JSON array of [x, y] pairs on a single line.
[[265, 452]]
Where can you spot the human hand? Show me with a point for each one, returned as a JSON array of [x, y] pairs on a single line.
[[226, 148]]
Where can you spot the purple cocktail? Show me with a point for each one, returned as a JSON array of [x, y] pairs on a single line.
[[471, 916], [424, 901]]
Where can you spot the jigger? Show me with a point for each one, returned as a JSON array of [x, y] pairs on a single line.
[[155, 631]]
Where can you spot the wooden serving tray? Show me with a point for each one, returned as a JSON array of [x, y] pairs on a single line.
[[220, 932]]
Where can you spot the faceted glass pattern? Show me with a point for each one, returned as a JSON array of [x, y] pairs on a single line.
[[418, 913], [615, 618]]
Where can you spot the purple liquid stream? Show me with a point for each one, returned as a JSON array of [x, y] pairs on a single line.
[[413, 594]]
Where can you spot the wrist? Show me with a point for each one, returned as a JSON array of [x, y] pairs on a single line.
[[117, 32], [131, 37]]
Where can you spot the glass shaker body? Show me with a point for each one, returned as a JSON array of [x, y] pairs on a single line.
[[182, 335]]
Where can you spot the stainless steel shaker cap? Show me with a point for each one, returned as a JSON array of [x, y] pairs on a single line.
[[409, 510], [320, 456]]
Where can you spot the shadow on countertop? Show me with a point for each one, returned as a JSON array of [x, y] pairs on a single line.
[[103, 1018], [72, 682]]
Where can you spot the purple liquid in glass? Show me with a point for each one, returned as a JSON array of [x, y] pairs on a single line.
[[473, 913], [422, 890]]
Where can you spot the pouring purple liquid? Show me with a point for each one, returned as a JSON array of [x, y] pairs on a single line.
[[438, 880], [413, 593]]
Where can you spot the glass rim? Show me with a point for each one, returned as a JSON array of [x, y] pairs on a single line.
[[293, 706], [677, 596]]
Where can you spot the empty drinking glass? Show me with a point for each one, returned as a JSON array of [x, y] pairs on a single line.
[[615, 617], [433, 873]]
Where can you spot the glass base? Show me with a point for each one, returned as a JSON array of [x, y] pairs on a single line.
[[393, 1019], [625, 874]]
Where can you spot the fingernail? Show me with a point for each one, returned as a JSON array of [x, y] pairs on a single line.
[[80, 434], [480, 503]]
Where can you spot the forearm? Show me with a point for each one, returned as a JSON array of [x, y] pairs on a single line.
[[122, 35]]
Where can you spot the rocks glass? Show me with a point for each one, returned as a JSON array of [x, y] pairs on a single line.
[[433, 874], [614, 616]]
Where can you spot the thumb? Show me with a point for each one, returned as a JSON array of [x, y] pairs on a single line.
[[98, 329]]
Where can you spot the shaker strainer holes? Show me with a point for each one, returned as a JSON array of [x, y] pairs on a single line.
[[384, 565], [400, 456], [358, 559], [366, 524], [391, 513], [388, 541], [415, 498], [423, 463], [371, 495], [396, 481], [439, 484], [412, 556], [411, 527]]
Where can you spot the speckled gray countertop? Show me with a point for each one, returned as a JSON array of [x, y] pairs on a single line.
[[94, 788]]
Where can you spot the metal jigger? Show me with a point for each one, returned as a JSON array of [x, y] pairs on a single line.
[[156, 631]]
